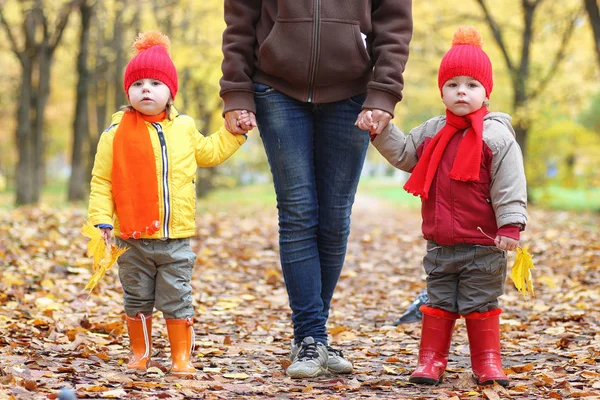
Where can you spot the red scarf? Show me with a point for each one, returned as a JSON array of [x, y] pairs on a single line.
[[134, 182], [468, 158]]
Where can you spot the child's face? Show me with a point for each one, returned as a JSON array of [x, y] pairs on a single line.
[[462, 95], [149, 96]]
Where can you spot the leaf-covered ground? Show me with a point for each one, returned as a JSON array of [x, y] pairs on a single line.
[[54, 335]]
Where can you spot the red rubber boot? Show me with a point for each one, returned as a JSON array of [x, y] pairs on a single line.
[[436, 336], [483, 330]]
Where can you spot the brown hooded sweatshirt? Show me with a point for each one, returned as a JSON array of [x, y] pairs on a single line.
[[316, 51]]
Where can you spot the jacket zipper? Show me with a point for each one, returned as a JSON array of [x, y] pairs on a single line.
[[165, 178], [313, 71]]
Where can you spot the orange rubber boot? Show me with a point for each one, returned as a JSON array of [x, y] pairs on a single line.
[[483, 330], [181, 337], [140, 338], [436, 337]]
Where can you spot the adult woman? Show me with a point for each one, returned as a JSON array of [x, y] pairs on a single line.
[[306, 69]]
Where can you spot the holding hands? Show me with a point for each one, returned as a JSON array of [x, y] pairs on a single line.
[[373, 120], [239, 122]]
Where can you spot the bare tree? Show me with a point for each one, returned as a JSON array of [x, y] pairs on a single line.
[[119, 52], [110, 60], [524, 90], [81, 128], [101, 81], [593, 12], [41, 37]]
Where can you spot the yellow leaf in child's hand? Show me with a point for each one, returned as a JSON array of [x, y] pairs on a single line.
[[521, 271], [105, 264], [96, 246]]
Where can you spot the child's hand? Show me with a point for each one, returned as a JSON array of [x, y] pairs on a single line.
[[365, 121], [373, 121], [247, 120], [506, 243], [106, 234]]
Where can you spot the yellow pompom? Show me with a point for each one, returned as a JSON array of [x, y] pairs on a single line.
[[467, 35], [149, 39]]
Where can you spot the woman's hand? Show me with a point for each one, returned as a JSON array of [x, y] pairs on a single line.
[[232, 121]]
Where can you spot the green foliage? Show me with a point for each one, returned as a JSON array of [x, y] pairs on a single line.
[[566, 147], [560, 198], [590, 117], [252, 198], [388, 190]]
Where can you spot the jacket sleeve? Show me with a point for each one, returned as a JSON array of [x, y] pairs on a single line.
[[214, 149], [508, 187], [400, 150], [239, 38], [101, 207], [392, 32]]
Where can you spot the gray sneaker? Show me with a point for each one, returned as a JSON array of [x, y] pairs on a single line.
[[309, 359], [336, 362]]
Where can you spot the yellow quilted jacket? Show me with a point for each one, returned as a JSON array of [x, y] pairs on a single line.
[[178, 150]]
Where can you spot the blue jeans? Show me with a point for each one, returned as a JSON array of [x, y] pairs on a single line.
[[316, 155]]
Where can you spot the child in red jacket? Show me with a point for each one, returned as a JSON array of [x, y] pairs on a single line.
[[468, 170]]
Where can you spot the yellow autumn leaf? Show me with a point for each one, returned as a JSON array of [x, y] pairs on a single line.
[[521, 271], [239, 375], [96, 246], [105, 264], [390, 370]]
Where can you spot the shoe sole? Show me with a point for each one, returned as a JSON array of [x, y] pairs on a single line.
[[302, 375], [341, 371], [183, 372], [423, 380], [502, 382]]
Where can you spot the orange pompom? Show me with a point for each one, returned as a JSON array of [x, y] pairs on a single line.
[[467, 35], [146, 40]]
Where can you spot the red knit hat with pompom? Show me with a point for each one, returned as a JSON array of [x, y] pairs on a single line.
[[152, 61], [466, 58]]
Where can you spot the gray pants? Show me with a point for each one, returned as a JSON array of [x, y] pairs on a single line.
[[157, 273], [464, 278]]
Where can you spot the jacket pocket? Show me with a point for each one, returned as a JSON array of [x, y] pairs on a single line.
[[342, 53], [184, 207], [286, 52]]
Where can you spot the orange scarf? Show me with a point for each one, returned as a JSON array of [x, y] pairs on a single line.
[[468, 158], [134, 181]]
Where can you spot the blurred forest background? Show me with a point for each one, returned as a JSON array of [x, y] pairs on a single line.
[[62, 62]]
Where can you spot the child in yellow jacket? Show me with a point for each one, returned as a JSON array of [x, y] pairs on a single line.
[[143, 190]]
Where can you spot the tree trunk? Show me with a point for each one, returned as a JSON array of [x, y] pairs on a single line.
[[24, 183], [101, 86], [35, 58], [521, 125], [593, 11], [81, 129], [41, 100], [117, 48]]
